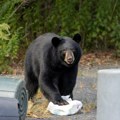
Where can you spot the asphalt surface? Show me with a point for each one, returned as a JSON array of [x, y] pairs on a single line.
[[85, 116]]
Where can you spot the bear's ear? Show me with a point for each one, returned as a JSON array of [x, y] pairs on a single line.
[[77, 38], [56, 41]]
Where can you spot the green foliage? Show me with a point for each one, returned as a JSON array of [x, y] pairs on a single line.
[[9, 45], [21, 21], [104, 25], [4, 39]]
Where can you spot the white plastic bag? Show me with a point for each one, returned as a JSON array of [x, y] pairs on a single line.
[[73, 107]]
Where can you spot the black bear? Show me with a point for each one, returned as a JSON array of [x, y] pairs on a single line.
[[51, 63]]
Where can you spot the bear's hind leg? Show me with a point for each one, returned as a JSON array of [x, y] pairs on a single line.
[[31, 85]]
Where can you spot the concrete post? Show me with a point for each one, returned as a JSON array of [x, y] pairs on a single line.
[[108, 95]]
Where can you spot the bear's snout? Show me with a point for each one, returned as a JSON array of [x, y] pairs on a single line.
[[69, 57]]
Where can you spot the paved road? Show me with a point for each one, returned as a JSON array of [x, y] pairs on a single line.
[[86, 116]]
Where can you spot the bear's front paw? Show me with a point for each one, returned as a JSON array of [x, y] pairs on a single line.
[[59, 101]]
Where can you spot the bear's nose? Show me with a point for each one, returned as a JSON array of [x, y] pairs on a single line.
[[70, 60]]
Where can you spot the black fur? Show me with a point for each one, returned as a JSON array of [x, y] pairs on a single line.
[[44, 67]]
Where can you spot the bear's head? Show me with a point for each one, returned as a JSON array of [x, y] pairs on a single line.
[[68, 49]]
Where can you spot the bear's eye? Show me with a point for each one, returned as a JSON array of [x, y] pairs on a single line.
[[63, 54], [64, 51], [73, 50]]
